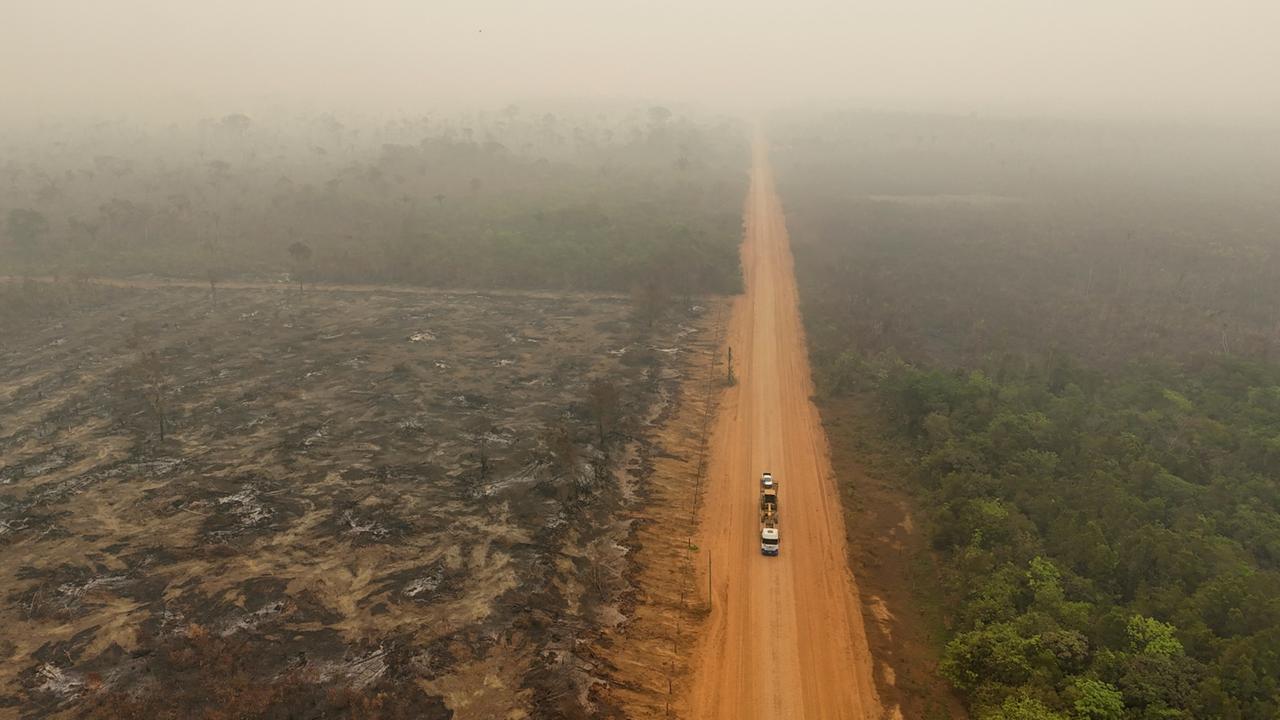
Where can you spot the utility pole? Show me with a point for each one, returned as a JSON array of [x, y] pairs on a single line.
[[708, 579]]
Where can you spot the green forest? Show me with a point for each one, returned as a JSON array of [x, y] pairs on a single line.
[[1069, 332], [510, 198]]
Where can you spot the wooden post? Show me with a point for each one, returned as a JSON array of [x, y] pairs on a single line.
[[708, 579]]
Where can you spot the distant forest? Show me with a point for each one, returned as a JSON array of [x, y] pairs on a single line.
[[1072, 331], [508, 199]]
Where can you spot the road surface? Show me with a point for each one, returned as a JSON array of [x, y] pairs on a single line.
[[785, 638]]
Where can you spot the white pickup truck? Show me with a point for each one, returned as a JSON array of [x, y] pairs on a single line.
[[768, 515]]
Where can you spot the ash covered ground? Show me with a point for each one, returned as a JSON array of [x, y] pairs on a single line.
[[365, 503]]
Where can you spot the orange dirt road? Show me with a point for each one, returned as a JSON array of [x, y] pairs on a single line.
[[785, 638]]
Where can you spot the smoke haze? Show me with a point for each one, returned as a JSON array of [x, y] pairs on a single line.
[[1183, 59]]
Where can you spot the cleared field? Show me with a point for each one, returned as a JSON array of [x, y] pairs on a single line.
[[359, 494]]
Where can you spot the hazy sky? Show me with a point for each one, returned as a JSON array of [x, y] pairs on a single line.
[[1196, 59]]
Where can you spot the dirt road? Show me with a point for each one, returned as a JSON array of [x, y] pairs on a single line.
[[785, 639]]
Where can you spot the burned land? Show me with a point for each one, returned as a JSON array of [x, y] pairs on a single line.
[[351, 503]]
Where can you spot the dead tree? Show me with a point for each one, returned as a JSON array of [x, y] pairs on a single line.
[[482, 453], [649, 301], [478, 429], [151, 381], [564, 453], [151, 377], [300, 252], [564, 457], [213, 277], [604, 401]]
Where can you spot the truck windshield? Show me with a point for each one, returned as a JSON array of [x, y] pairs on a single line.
[[770, 542]]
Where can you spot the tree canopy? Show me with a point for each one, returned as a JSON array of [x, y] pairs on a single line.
[[599, 202], [1076, 355]]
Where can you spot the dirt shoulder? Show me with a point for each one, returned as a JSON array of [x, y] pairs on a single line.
[[648, 656], [785, 635], [896, 571]]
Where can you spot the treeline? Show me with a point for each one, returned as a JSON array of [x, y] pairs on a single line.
[[972, 242], [27, 302], [506, 199], [1096, 456], [1113, 542]]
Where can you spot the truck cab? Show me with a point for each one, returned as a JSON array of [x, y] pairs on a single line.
[[766, 480], [769, 541]]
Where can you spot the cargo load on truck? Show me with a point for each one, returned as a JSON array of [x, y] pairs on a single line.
[[769, 520]]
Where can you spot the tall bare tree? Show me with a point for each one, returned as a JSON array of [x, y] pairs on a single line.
[[604, 402], [478, 430], [649, 301], [564, 452], [300, 253], [151, 377]]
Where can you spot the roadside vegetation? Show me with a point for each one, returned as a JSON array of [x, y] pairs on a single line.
[[1070, 332], [642, 200]]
